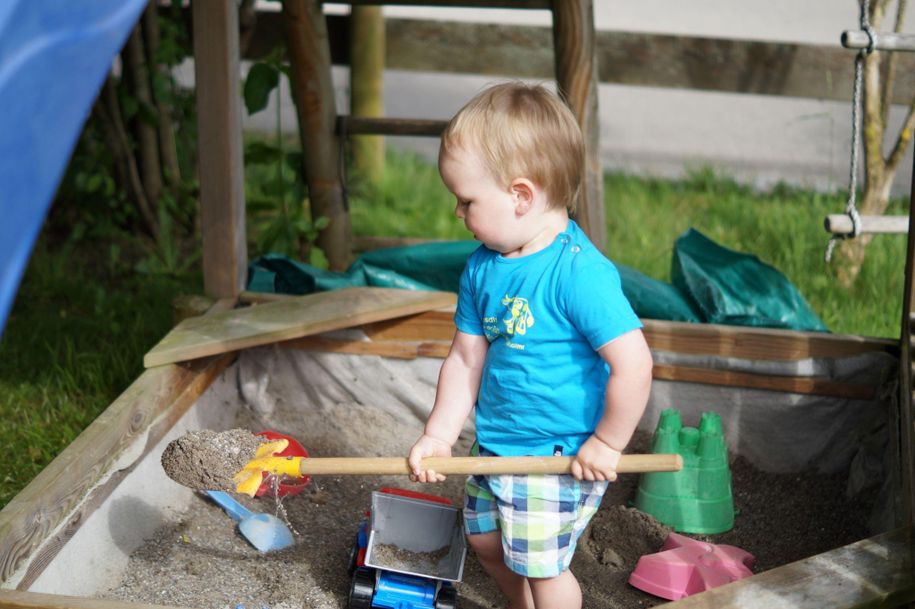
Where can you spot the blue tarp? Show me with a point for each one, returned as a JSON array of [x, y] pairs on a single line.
[[54, 56]]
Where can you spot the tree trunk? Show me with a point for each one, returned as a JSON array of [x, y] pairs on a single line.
[[148, 146], [367, 48], [879, 169], [576, 78], [119, 144], [247, 21], [850, 253], [313, 92], [165, 130]]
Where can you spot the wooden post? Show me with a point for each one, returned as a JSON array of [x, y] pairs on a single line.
[[903, 433], [576, 76], [219, 144], [313, 93], [367, 48]]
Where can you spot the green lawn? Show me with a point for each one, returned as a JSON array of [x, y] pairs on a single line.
[[74, 340], [84, 317], [783, 227]]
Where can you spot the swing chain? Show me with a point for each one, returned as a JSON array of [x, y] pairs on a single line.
[[850, 206]]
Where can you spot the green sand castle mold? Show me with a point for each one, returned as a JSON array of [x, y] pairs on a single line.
[[698, 498]]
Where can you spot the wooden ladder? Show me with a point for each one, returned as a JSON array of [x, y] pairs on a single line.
[[220, 147], [323, 129]]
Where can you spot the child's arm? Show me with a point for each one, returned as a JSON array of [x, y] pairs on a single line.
[[627, 395], [458, 385]]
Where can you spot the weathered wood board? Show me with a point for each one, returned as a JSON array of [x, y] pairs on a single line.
[[287, 319], [17, 599], [54, 505], [874, 572]]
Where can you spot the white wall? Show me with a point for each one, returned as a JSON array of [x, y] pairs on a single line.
[[654, 131]]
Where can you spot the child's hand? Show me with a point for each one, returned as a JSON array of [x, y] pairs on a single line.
[[427, 446], [595, 461]]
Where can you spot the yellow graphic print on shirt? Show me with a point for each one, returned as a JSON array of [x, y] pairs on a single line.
[[520, 318]]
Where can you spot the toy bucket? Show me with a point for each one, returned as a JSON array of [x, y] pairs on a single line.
[[290, 486]]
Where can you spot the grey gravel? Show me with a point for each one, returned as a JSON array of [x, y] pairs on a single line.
[[201, 561]]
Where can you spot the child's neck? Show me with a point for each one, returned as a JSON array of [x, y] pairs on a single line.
[[547, 228]]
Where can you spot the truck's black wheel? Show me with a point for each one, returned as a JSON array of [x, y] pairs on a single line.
[[353, 556], [447, 598], [362, 590]]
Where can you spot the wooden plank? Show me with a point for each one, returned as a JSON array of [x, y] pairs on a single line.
[[16, 599], [902, 418], [356, 125], [287, 319], [576, 79], [385, 348], [757, 343], [430, 325], [402, 349], [627, 58], [248, 297], [804, 385], [56, 496], [678, 337], [873, 572], [219, 147], [513, 4], [841, 224], [885, 41]]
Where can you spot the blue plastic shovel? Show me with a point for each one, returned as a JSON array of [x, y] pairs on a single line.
[[266, 532]]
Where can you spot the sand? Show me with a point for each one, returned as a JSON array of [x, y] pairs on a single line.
[[201, 561], [207, 460]]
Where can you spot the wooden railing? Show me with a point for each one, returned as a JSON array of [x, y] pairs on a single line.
[[629, 58]]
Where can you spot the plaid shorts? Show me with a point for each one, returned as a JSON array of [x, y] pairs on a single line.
[[540, 517]]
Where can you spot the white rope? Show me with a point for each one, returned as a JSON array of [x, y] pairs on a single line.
[[851, 207]]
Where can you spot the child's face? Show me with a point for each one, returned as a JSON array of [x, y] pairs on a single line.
[[486, 207]]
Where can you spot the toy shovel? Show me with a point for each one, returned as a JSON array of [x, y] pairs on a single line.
[[249, 478], [266, 532]]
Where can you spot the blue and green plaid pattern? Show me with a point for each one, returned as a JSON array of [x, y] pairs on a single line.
[[540, 517]]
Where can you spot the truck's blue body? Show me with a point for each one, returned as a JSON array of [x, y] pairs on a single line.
[[380, 588]]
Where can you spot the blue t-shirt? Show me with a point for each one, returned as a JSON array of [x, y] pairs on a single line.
[[544, 315]]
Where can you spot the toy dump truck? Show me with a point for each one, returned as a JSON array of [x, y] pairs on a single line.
[[408, 553]]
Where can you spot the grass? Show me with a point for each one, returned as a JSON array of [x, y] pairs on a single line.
[[74, 341], [84, 317], [783, 227], [410, 202]]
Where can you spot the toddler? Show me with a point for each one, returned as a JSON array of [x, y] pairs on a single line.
[[547, 349]]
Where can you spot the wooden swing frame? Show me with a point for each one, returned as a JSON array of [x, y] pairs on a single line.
[[40, 520]]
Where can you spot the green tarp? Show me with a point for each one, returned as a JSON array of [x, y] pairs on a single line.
[[710, 284], [737, 289]]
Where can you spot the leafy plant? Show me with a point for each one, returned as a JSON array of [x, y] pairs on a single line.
[[164, 256], [131, 178], [278, 206]]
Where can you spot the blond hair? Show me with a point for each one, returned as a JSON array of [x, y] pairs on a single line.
[[523, 130]]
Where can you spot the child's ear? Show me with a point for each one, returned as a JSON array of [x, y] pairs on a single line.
[[523, 191]]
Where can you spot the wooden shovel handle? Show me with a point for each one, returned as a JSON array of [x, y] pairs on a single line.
[[628, 464]]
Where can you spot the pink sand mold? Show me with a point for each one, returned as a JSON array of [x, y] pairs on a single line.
[[685, 566]]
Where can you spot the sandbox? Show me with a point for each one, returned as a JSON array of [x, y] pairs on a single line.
[[808, 475]]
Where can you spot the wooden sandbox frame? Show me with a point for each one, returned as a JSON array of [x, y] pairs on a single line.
[[40, 520]]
